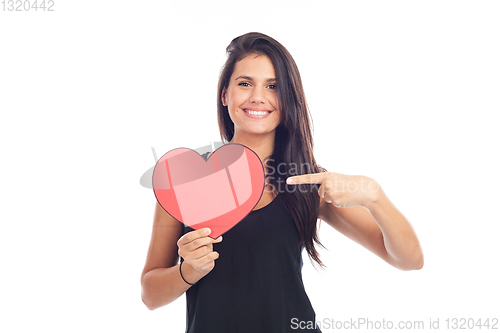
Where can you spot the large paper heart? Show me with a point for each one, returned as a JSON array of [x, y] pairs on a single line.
[[217, 193]]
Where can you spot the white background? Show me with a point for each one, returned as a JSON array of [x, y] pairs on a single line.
[[405, 92]]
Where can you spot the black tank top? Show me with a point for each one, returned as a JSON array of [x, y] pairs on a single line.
[[256, 284]]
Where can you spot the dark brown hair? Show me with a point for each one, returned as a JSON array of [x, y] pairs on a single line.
[[293, 144]]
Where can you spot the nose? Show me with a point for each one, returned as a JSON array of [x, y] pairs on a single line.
[[257, 95]]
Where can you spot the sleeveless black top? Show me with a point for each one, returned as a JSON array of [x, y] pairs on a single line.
[[256, 284]]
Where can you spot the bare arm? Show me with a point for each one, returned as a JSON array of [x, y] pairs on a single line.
[[382, 229], [160, 279], [357, 207]]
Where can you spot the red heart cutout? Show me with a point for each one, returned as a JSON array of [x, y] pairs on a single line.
[[217, 193]]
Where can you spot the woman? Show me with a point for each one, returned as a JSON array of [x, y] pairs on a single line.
[[256, 285]]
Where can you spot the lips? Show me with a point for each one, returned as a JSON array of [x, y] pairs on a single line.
[[257, 113]]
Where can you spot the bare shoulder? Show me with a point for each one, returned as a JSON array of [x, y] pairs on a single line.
[[162, 250]]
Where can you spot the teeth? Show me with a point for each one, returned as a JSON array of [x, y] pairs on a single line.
[[259, 113]]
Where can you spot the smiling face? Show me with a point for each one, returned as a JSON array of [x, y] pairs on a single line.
[[251, 97]]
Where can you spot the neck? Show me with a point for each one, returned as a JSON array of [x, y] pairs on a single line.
[[262, 145]]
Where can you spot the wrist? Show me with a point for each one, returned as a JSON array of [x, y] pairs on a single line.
[[190, 275]]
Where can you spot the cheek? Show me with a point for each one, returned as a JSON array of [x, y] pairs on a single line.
[[233, 113], [278, 111], [232, 109], [234, 102], [274, 103], [278, 118]]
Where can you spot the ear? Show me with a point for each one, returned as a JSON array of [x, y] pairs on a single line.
[[223, 97]]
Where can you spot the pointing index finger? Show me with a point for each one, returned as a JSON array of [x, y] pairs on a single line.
[[312, 178]]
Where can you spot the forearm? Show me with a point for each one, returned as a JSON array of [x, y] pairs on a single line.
[[400, 240], [161, 286]]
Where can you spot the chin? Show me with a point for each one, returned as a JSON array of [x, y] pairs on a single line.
[[259, 131]]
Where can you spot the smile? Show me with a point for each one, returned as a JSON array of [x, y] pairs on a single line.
[[256, 114]]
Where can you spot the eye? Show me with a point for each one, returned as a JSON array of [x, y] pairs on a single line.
[[272, 86], [244, 84]]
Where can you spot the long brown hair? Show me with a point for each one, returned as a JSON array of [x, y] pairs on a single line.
[[293, 144]]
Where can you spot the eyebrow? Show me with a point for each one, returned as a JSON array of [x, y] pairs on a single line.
[[244, 77]]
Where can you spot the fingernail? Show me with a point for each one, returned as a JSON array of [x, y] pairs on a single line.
[[219, 238], [289, 180], [208, 231]]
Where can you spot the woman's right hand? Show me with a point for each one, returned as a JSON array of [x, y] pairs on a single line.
[[196, 247]]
